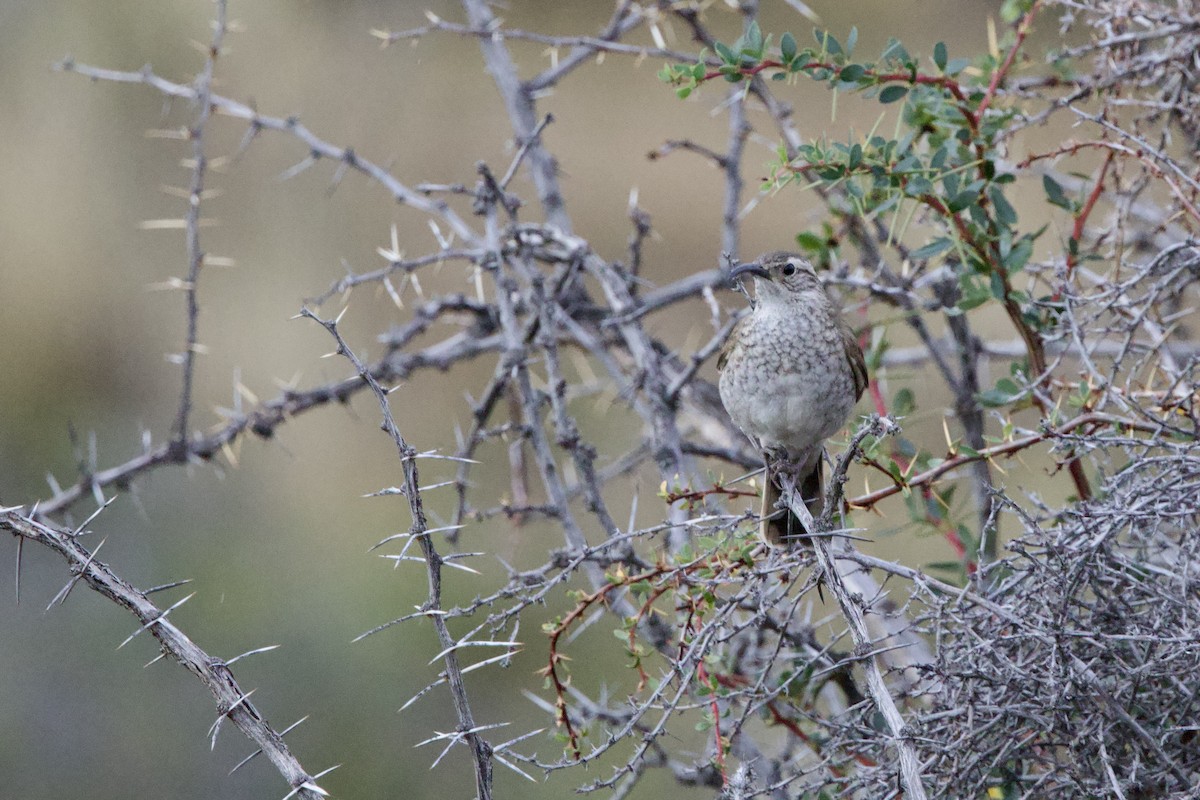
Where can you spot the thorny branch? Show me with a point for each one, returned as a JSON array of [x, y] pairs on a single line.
[[1016, 679], [213, 672], [195, 256], [419, 532], [853, 607]]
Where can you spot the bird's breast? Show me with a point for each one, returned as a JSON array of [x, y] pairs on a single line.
[[787, 381]]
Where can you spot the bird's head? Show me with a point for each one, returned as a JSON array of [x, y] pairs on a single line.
[[779, 275]]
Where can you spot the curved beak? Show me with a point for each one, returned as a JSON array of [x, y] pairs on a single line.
[[752, 268]]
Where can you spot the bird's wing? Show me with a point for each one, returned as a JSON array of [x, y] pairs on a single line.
[[730, 343], [854, 354]]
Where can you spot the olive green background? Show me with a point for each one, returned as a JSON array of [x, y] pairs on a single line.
[[277, 545]]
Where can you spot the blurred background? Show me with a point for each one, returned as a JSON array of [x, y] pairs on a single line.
[[276, 544]]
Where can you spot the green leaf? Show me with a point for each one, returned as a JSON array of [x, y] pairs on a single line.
[[852, 73], [996, 285], [1005, 393], [1005, 213], [810, 242], [787, 47], [961, 201], [682, 92], [930, 250], [891, 94], [973, 294], [956, 66], [1008, 385], [939, 55], [725, 53], [1011, 10], [1055, 194], [918, 187], [892, 201], [851, 41], [1019, 256], [895, 51], [828, 43], [856, 156], [752, 39], [904, 403], [978, 215]]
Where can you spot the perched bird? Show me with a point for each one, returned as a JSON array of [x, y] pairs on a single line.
[[791, 373]]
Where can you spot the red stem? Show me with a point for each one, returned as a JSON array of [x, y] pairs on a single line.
[[1082, 217], [1022, 32], [1008, 448]]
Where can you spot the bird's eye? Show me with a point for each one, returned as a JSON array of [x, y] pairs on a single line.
[[789, 269]]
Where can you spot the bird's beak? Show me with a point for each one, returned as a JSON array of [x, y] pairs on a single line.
[[752, 268]]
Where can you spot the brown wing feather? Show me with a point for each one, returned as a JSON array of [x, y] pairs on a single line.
[[730, 343], [854, 354]]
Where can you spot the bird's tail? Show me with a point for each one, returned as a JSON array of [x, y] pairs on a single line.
[[780, 527]]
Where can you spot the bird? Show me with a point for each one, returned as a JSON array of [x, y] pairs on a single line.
[[791, 373]]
